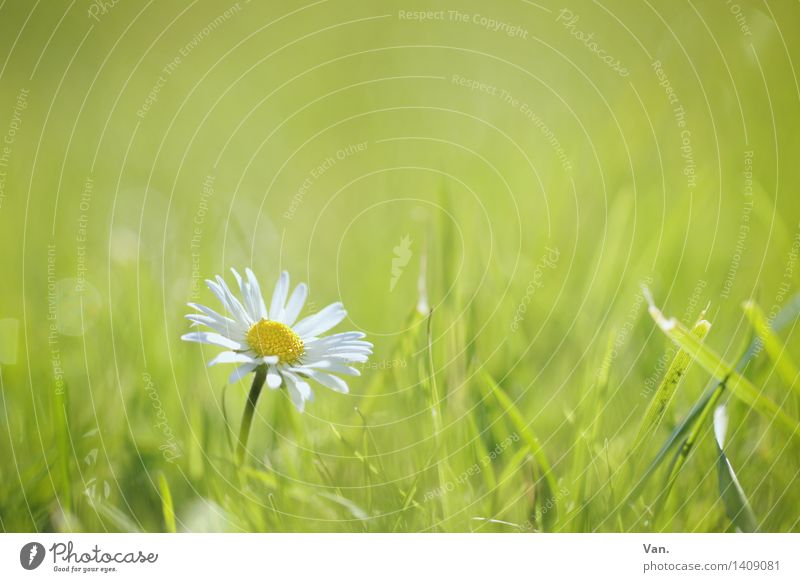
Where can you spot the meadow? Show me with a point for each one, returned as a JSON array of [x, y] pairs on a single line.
[[571, 232]]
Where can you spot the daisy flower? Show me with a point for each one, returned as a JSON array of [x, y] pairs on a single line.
[[273, 343]]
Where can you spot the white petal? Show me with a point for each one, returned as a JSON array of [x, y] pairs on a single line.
[[299, 391], [241, 372], [244, 290], [216, 339], [333, 382], [323, 345], [229, 328], [345, 336], [349, 357], [255, 293], [321, 321], [315, 353], [236, 307], [271, 359], [212, 314], [279, 297], [231, 358], [220, 294], [231, 304], [331, 366], [346, 370], [349, 349], [274, 379], [295, 305]]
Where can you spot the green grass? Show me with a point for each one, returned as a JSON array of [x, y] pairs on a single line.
[[536, 394]]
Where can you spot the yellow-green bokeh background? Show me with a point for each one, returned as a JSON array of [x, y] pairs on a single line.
[[557, 152]]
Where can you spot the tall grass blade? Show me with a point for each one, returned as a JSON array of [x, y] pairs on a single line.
[[739, 386], [773, 346], [683, 427], [682, 454], [60, 415], [531, 441], [578, 518], [736, 504], [435, 405], [666, 390], [784, 317], [121, 521], [166, 504]]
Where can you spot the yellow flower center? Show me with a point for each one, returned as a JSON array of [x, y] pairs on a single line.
[[271, 338]]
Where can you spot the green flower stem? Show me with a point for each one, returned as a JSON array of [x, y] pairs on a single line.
[[249, 409]]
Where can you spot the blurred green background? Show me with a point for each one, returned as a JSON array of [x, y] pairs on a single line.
[[544, 161]]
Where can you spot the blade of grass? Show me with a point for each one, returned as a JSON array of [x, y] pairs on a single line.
[[682, 454], [707, 401], [739, 386], [673, 438], [586, 437], [166, 504], [408, 500], [61, 419], [121, 521], [736, 504], [666, 390], [482, 452], [356, 511], [529, 438], [436, 413], [772, 345]]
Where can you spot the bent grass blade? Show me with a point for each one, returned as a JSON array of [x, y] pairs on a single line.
[[669, 385], [738, 385], [528, 437], [773, 346], [730, 491]]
